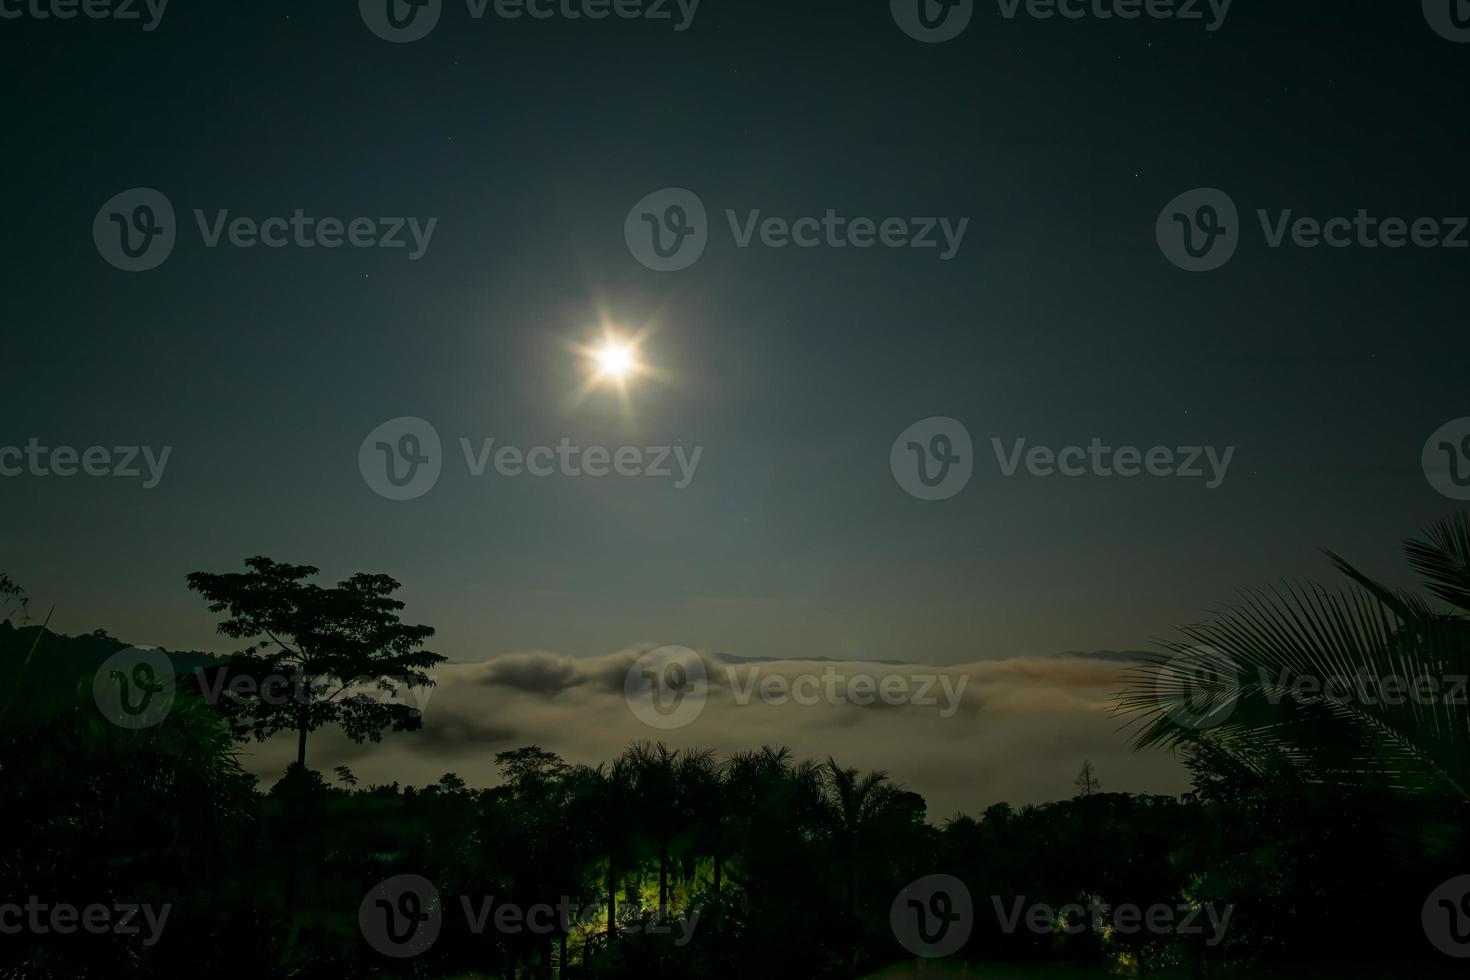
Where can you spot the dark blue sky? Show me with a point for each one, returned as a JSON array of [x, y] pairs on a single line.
[[795, 370]]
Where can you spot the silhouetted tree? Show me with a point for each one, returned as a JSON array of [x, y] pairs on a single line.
[[13, 599], [1313, 681], [316, 649], [666, 780], [1086, 781]]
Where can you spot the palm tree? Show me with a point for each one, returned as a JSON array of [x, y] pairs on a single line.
[[745, 780], [1357, 688], [701, 804], [666, 781], [655, 775], [855, 804], [602, 798]]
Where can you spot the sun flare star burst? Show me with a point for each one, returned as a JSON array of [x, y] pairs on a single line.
[[614, 361]]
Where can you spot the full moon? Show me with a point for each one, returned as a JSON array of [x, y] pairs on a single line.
[[614, 361]]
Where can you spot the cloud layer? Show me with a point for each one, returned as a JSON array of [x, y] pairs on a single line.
[[994, 731]]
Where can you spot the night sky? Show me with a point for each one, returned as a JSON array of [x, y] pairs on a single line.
[[1058, 320]]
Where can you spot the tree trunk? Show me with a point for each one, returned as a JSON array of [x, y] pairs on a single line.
[[663, 881], [612, 899], [852, 916], [293, 804]]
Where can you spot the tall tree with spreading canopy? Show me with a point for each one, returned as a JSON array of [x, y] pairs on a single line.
[[318, 653]]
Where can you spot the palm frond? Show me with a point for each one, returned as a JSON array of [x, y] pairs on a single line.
[[1359, 687]]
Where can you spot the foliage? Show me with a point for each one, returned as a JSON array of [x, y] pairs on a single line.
[[319, 655], [1360, 689]]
